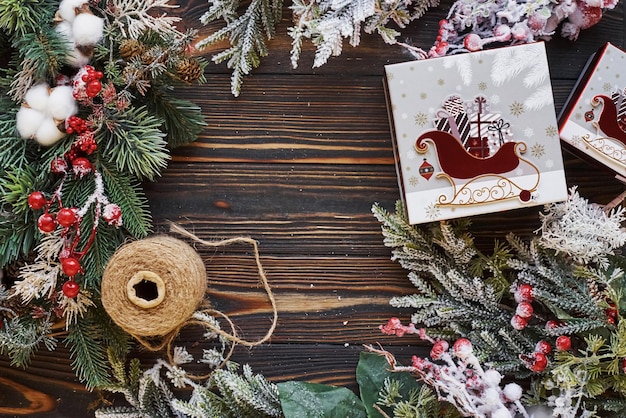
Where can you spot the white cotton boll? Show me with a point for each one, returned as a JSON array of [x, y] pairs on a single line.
[[77, 59], [48, 133], [37, 97], [62, 104], [65, 28], [491, 397], [501, 413], [67, 9], [28, 121], [512, 392], [493, 377], [87, 29]]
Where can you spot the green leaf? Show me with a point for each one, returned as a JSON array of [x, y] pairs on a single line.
[[371, 373], [314, 400]]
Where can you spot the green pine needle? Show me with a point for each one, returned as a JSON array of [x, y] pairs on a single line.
[[135, 144], [89, 362]]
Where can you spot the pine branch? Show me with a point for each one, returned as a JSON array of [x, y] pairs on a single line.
[[135, 144], [19, 17], [247, 35], [22, 337], [89, 359], [128, 194], [182, 119]]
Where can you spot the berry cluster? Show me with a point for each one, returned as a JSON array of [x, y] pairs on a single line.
[[69, 218], [87, 83], [524, 311], [75, 124]]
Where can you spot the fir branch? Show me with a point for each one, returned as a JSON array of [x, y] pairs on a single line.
[[128, 194], [89, 360], [19, 17], [247, 35], [133, 18], [43, 54], [135, 143], [23, 336], [182, 119]]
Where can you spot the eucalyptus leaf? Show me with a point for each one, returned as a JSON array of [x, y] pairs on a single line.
[[314, 400], [371, 373]]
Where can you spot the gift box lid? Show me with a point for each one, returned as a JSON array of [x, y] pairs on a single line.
[[475, 133], [592, 124]]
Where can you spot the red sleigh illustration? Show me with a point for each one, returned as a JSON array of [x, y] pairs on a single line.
[[480, 171], [610, 139]]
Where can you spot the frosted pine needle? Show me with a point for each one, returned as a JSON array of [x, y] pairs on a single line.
[[582, 230]]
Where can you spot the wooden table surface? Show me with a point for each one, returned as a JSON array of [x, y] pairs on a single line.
[[296, 162]]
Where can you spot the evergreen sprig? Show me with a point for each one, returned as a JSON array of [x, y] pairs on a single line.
[[23, 16], [23, 336], [89, 359], [135, 144], [247, 34]]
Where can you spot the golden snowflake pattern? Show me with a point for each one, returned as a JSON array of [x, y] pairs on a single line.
[[432, 211], [607, 87], [551, 131], [441, 81], [482, 86], [423, 96], [578, 115], [516, 108], [413, 181], [421, 119], [575, 140], [537, 150]]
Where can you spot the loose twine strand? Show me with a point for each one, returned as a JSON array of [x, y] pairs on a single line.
[[232, 337], [159, 342]]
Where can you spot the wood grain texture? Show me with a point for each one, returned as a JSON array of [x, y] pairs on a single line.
[[296, 162]]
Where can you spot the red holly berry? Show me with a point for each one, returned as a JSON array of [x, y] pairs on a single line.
[[70, 266], [112, 214], [540, 362], [438, 349], [624, 365], [36, 200], [462, 348], [66, 217], [552, 324], [58, 166], [525, 293], [524, 309], [71, 289], [563, 343], [518, 322], [543, 347], [81, 166], [46, 223]]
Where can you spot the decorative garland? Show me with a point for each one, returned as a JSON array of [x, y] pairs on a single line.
[[87, 114]]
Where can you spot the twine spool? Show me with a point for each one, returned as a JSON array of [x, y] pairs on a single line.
[[152, 286]]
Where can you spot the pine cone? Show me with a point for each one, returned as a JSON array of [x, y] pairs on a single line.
[[189, 70], [131, 48]]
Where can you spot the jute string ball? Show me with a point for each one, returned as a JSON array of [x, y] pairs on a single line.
[[154, 287], [150, 287]]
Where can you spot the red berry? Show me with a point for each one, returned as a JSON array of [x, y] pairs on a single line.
[[552, 324], [462, 348], [71, 289], [525, 293], [524, 309], [543, 347], [58, 165], [36, 200], [563, 343], [66, 217], [46, 223], [624, 365], [539, 363], [518, 322], [112, 214], [81, 166], [438, 349], [70, 266]]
